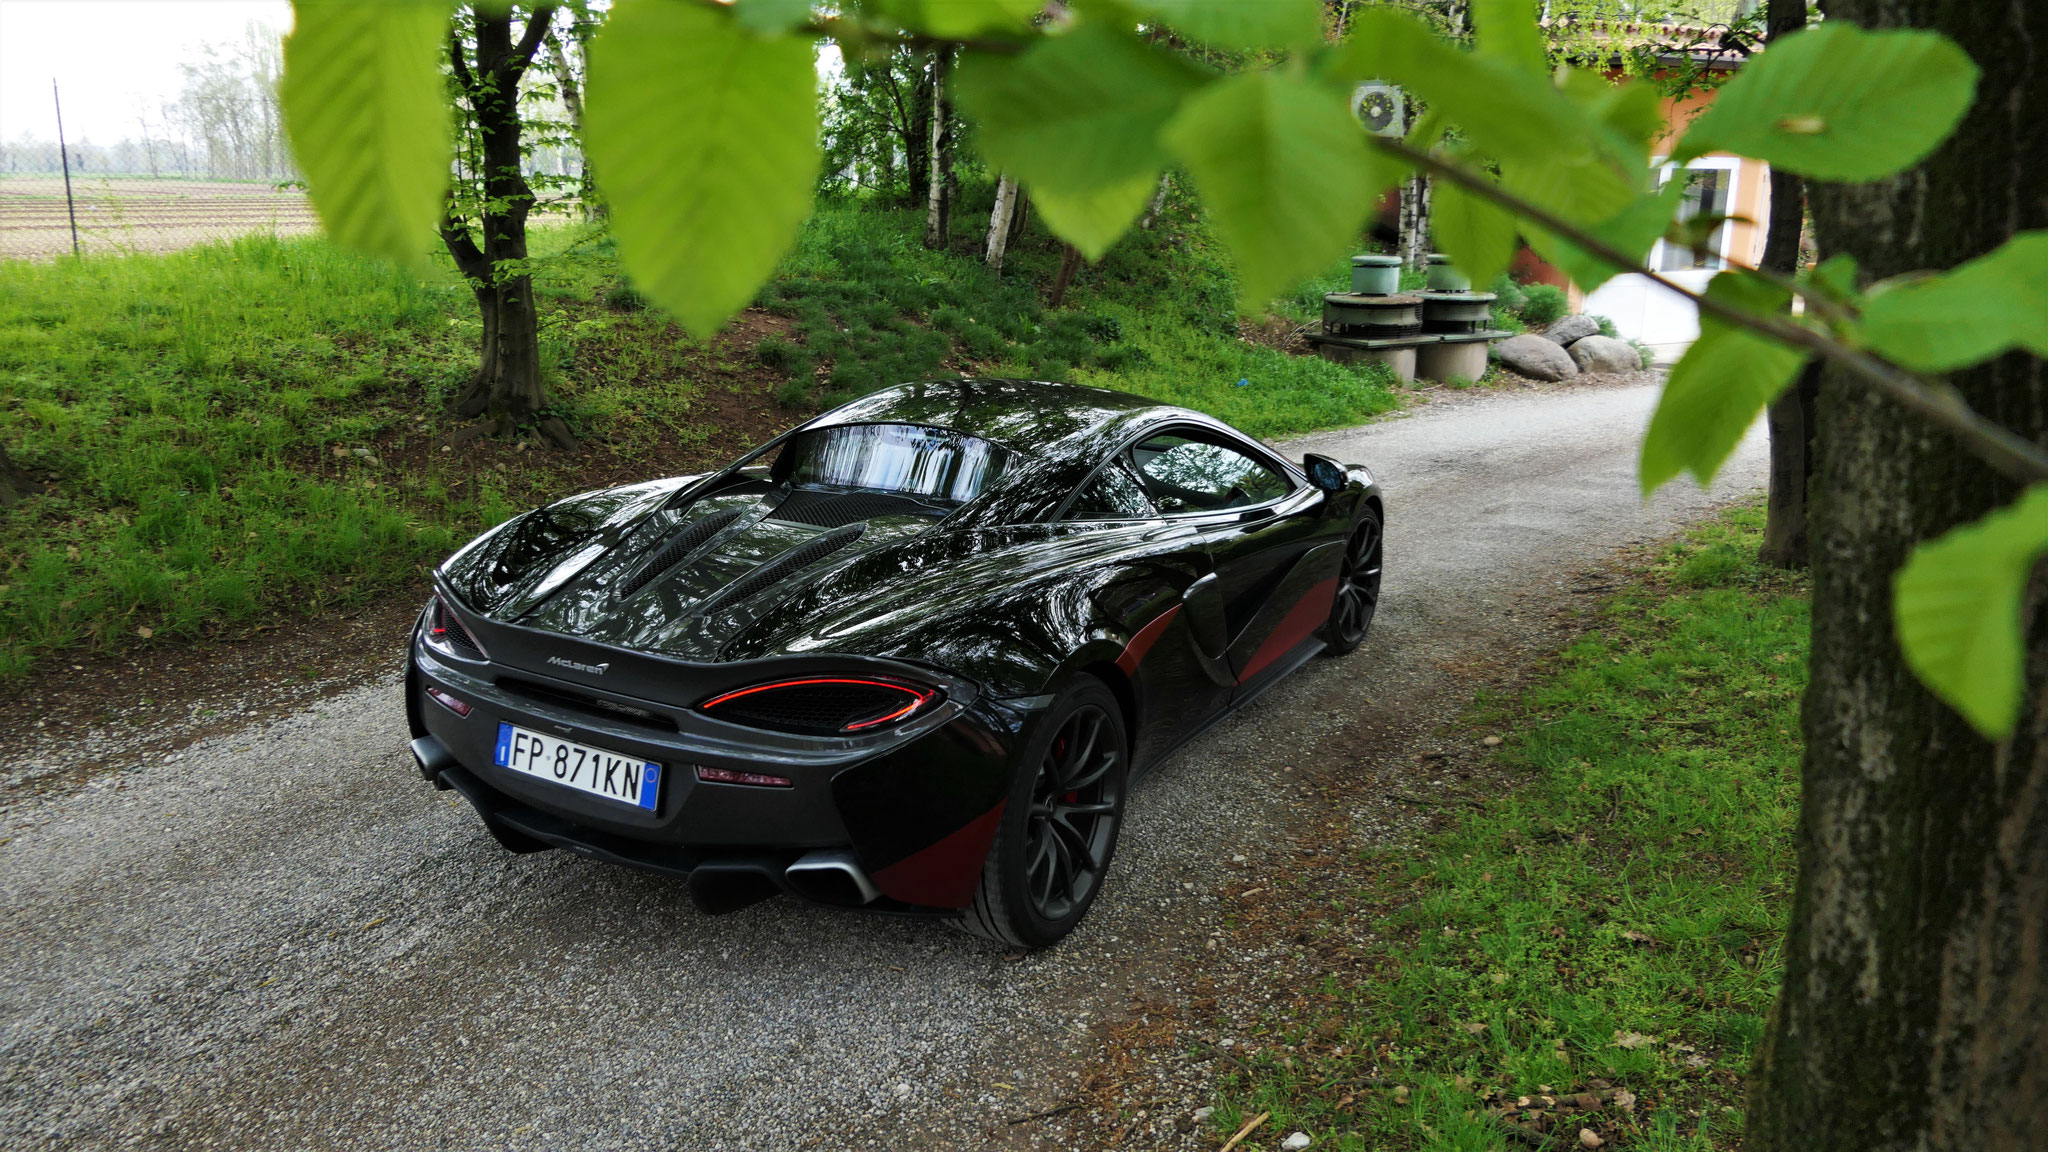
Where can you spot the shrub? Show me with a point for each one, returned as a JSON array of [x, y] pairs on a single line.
[[783, 356], [1607, 328], [623, 297], [1643, 351], [795, 394], [1545, 303], [1508, 296]]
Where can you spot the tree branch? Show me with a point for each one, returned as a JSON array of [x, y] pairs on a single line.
[[460, 62], [848, 31], [1998, 446], [529, 42]]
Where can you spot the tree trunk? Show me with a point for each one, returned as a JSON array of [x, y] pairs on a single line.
[[1914, 1014], [939, 205], [917, 136], [1791, 415], [1158, 201], [1415, 223], [1020, 215], [507, 387], [1070, 264], [572, 99], [999, 223]]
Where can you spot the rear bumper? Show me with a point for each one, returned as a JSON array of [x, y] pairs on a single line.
[[879, 826], [718, 881]]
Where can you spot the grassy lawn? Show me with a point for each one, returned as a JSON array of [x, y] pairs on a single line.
[[216, 437], [1609, 926]]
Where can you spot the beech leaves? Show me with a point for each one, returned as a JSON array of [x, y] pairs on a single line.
[[702, 119]]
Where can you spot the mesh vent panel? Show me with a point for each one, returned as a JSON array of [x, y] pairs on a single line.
[[833, 509], [447, 628]]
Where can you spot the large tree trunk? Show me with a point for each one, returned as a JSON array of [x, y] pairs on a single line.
[[507, 387], [567, 76], [1914, 1014], [1791, 416], [999, 224], [917, 136], [1415, 223], [939, 205]]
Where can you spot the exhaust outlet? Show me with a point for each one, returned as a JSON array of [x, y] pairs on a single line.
[[432, 757], [831, 876]]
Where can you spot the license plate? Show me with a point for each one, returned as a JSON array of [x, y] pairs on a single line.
[[579, 766]]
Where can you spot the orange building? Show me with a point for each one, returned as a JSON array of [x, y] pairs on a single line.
[[1722, 185]]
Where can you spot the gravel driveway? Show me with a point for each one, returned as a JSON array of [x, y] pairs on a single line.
[[281, 938]]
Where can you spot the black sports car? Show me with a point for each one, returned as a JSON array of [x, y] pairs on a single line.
[[905, 656]]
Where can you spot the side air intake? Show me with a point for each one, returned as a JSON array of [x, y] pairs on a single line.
[[800, 557], [678, 547]]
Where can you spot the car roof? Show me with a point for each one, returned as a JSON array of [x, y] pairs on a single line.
[[1035, 417]]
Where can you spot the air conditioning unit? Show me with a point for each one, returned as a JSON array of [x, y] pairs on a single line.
[[1382, 108]]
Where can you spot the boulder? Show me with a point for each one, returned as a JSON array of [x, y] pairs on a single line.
[[1605, 354], [1536, 358], [1570, 329]]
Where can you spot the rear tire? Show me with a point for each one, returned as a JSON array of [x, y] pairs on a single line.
[[1060, 823]]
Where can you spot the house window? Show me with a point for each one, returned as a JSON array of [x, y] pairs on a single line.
[[1710, 191]]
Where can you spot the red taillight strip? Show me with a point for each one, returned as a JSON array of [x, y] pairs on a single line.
[[918, 698]]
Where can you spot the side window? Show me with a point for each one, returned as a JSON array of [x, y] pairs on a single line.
[[1188, 473], [1112, 495]]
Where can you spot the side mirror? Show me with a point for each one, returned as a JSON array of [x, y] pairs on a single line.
[[1324, 472]]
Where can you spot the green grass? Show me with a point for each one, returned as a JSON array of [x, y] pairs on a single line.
[[185, 413], [190, 421], [1613, 920]]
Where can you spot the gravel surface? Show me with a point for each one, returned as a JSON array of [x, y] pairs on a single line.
[[281, 938]]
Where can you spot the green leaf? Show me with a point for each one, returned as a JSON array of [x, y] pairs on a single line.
[[1506, 112], [1507, 30], [1630, 113], [1240, 23], [1633, 229], [708, 139], [771, 17], [955, 19], [1838, 103], [1092, 220], [1077, 118], [1716, 390], [1284, 172], [367, 111], [1956, 606], [1989, 306], [1478, 237]]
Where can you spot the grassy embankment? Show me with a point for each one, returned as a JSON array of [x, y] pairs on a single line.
[[1610, 924], [215, 437]]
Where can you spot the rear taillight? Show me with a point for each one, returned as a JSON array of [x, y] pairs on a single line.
[[823, 705], [459, 707], [446, 635]]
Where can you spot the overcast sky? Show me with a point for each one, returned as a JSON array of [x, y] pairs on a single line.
[[109, 57]]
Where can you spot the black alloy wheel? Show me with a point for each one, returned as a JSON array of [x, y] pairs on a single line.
[[1059, 828], [1358, 587]]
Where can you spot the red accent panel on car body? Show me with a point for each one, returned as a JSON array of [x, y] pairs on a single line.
[[1300, 622], [1134, 652], [944, 874]]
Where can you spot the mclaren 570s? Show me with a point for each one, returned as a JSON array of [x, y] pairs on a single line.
[[907, 656]]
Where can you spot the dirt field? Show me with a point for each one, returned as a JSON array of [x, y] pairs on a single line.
[[119, 215]]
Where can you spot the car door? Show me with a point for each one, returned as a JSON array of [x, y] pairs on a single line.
[[1176, 685], [1273, 556]]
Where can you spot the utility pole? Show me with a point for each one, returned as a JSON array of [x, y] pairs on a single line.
[[64, 155]]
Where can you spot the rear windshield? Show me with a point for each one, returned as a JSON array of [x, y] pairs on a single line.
[[908, 459]]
